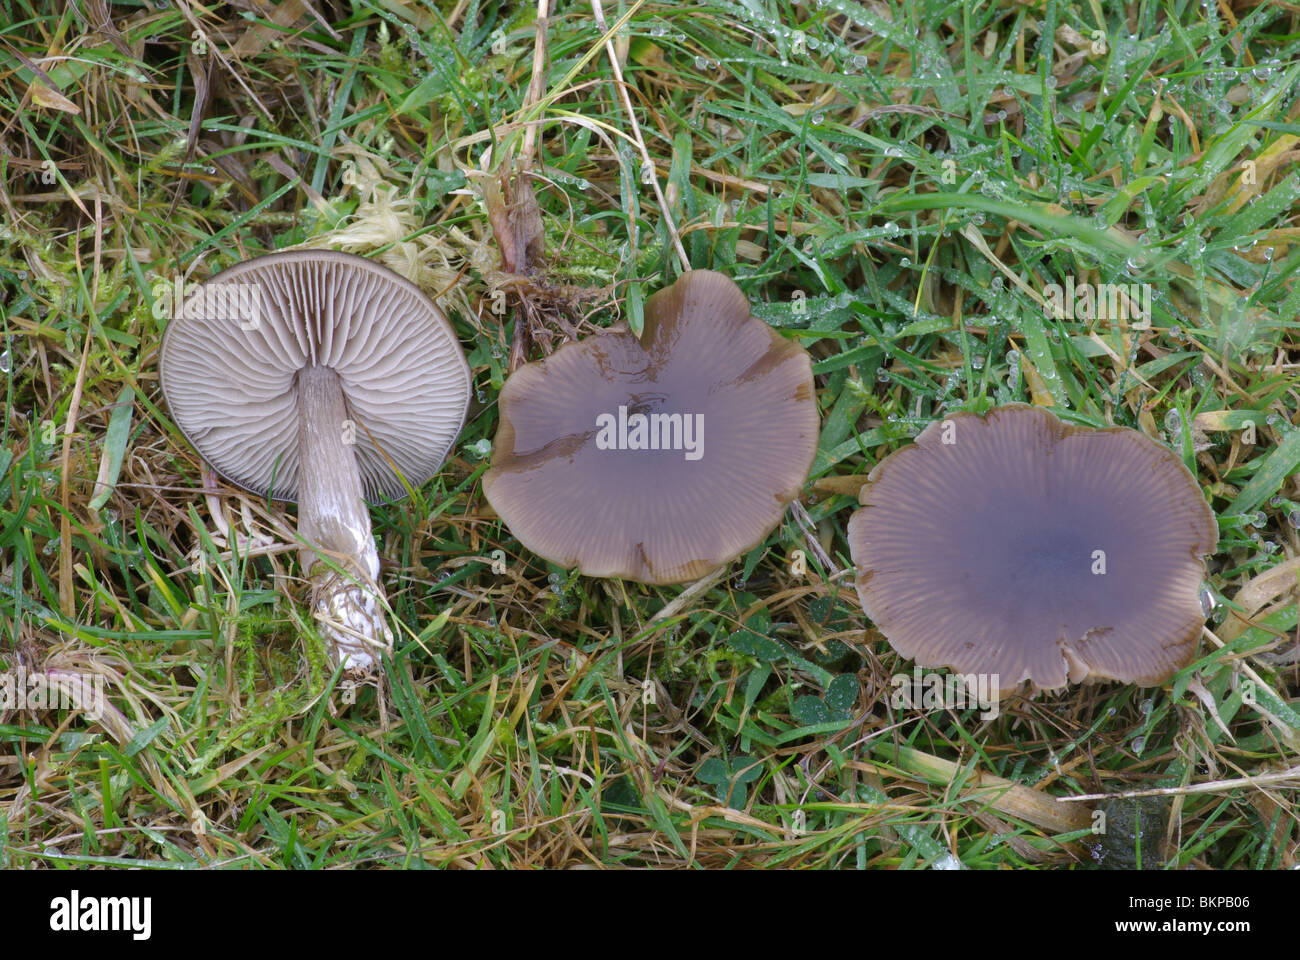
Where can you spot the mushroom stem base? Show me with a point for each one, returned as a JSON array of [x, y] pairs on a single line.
[[351, 618], [346, 598]]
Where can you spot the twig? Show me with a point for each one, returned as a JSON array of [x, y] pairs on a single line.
[[1213, 786], [703, 585], [636, 135], [805, 522], [537, 81]]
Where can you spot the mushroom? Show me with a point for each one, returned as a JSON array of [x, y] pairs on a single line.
[[324, 378], [661, 458], [1016, 546]]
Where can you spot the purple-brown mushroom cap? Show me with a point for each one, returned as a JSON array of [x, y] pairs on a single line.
[[1016, 545], [657, 515]]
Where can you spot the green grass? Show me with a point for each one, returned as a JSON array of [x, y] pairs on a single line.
[[894, 192]]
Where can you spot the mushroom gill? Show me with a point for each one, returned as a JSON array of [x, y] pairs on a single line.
[[322, 378]]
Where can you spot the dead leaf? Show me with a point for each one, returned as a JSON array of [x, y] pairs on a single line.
[[50, 98], [1207, 700], [516, 219]]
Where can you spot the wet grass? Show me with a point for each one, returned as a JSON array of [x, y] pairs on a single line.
[[895, 185]]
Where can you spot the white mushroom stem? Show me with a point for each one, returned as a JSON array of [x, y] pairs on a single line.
[[334, 520]]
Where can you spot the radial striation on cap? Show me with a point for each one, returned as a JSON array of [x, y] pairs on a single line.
[[1016, 545], [231, 357], [662, 458]]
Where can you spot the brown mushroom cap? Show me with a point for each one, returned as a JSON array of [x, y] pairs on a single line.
[[1016, 545], [230, 379], [655, 515]]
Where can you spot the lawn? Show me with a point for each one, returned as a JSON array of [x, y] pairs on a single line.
[[905, 188]]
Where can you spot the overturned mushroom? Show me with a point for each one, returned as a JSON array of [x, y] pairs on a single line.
[[1017, 546], [324, 378], [662, 458]]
